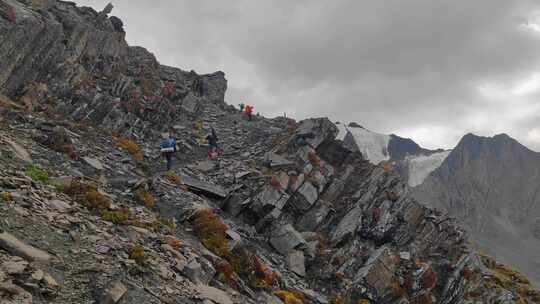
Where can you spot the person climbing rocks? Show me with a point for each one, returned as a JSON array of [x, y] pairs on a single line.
[[213, 146], [168, 147], [241, 106], [249, 112]]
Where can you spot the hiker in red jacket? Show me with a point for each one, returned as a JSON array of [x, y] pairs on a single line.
[[249, 111]]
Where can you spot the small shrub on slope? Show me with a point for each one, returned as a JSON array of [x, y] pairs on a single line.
[[138, 254], [145, 198], [288, 297], [37, 174], [6, 196], [131, 147], [212, 232]]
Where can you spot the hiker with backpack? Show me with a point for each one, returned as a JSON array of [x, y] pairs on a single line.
[[213, 147], [168, 147], [241, 106]]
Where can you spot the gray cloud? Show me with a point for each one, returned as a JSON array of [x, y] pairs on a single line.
[[431, 70]]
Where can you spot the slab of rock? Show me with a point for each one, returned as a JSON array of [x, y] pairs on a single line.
[[19, 151], [94, 163], [108, 9], [49, 281], [193, 271], [15, 265], [14, 246], [306, 196], [316, 131], [191, 103], [204, 166], [15, 293], [379, 270], [348, 224], [61, 181], [276, 161], [314, 217], [207, 188], [286, 238], [59, 205], [213, 294], [114, 293], [296, 262], [269, 199]]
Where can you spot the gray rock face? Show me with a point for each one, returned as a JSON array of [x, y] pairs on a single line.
[[348, 224], [296, 262], [191, 103], [269, 200], [379, 270], [94, 163], [316, 131], [491, 184], [13, 245], [306, 196], [115, 85], [276, 161], [286, 238], [114, 293]]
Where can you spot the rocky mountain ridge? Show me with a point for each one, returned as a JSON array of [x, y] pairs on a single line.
[[491, 183], [89, 215], [497, 205]]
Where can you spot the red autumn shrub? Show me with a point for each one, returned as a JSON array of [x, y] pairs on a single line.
[[428, 279], [467, 273], [274, 182], [227, 271]]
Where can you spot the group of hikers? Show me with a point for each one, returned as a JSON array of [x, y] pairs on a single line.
[[247, 109], [169, 144]]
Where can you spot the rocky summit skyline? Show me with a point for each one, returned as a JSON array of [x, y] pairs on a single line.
[[430, 71]]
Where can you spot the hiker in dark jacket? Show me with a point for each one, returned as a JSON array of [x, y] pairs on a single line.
[[168, 147], [213, 147]]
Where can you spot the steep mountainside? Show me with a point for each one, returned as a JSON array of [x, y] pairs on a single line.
[[88, 214], [493, 185]]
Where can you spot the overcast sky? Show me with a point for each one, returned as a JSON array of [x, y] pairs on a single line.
[[424, 69]]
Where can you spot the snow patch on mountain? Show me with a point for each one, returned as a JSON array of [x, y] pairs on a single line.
[[342, 131], [421, 166]]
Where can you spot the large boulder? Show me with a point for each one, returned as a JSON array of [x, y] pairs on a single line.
[[315, 131], [16, 247], [305, 197], [379, 270], [270, 199], [348, 224], [296, 262], [285, 238], [191, 103]]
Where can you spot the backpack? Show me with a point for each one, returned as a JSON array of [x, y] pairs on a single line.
[[167, 145]]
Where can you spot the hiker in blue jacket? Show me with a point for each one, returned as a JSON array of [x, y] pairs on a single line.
[[168, 147]]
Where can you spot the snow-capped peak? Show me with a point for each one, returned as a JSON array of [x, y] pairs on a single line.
[[372, 145]]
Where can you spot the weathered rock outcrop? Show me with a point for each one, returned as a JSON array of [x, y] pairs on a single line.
[[287, 214], [86, 69]]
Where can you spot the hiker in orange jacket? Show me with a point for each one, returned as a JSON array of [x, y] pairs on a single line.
[[249, 111]]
